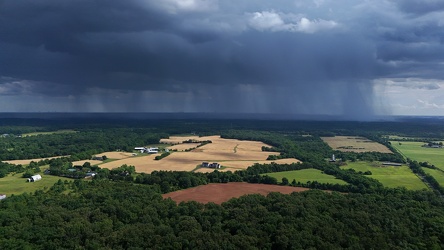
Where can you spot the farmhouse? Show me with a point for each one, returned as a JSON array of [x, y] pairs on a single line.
[[35, 178]]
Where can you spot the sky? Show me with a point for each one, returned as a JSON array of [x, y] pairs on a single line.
[[354, 58]]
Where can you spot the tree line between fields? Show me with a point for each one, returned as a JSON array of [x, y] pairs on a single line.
[[120, 209]]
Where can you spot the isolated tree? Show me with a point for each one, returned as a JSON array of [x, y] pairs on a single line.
[[285, 181]]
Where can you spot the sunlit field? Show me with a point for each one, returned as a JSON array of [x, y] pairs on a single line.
[[414, 151], [354, 144], [389, 176], [15, 184], [306, 175]]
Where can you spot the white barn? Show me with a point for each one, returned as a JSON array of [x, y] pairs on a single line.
[[35, 178]]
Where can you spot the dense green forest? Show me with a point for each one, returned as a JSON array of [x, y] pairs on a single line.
[[120, 215], [122, 209]]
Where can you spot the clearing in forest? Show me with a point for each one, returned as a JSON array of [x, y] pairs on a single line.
[[221, 192], [355, 144], [16, 184], [63, 131], [232, 154], [306, 175], [389, 176]]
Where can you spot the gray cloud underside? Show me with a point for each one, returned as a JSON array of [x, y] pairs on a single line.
[[249, 56]]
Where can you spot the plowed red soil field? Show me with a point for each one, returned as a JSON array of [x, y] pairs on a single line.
[[221, 192]]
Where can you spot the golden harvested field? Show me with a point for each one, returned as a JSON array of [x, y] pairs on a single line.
[[115, 155], [234, 154], [183, 147], [242, 165], [180, 139], [246, 164], [92, 162], [354, 144], [26, 162]]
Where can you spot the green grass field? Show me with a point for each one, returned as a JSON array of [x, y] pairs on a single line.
[[64, 131], [306, 175], [389, 176], [15, 184], [438, 175], [414, 151]]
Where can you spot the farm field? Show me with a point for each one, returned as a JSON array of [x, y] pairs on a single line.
[[306, 175], [92, 162], [183, 147], [64, 131], [230, 153], [354, 144], [389, 176], [26, 162], [178, 139], [438, 175], [242, 165], [115, 155], [414, 151], [15, 184], [221, 192]]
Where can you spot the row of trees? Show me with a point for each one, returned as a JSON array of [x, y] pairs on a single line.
[[416, 167]]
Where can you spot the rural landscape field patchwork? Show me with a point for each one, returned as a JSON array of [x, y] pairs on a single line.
[[219, 183], [231, 154], [221, 124]]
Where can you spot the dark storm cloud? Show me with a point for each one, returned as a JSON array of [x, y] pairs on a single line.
[[420, 7], [249, 56]]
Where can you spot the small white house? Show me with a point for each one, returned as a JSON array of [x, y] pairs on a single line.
[[2, 196], [35, 178]]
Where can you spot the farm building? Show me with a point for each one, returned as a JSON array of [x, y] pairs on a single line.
[[90, 174], [211, 165], [214, 165], [2, 196], [147, 150], [35, 178]]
